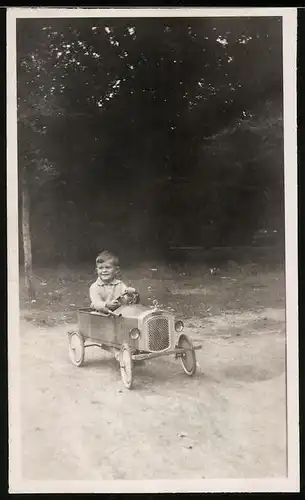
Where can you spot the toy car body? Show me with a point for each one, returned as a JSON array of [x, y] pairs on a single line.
[[133, 333]]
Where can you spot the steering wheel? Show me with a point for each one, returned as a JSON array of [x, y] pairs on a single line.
[[133, 296]]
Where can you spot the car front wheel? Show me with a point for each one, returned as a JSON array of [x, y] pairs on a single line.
[[126, 365], [188, 358]]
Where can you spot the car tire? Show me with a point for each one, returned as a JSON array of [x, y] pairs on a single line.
[[76, 348], [188, 358], [126, 366]]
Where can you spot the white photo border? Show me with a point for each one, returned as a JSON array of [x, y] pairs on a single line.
[[291, 483]]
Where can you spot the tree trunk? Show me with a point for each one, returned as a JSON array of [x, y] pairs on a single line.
[[26, 236]]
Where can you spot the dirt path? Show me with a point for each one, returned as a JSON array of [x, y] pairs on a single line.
[[227, 421]]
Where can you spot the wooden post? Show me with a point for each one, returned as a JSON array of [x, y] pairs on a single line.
[[26, 236]]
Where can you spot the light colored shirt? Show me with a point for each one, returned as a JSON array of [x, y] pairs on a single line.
[[101, 293]]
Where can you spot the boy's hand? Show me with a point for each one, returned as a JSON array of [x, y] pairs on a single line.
[[130, 290], [112, 304]]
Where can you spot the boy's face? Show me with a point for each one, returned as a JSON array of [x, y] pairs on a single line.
[[106, 271]]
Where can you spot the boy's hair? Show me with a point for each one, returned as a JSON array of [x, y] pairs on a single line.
[[105, 255]]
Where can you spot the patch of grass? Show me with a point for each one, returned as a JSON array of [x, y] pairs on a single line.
[[192, 291]]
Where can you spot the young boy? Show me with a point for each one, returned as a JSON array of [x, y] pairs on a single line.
[[107, 289]]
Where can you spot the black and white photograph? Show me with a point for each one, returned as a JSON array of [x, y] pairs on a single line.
[[152, 250]]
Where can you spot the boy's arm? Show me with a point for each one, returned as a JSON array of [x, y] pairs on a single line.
[[96, 302], [121, 293]]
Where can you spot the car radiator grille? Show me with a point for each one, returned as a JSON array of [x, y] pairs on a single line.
[[158, 334]]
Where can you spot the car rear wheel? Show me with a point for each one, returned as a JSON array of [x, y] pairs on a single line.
[[76, 348], [188, 358], [126, 365]]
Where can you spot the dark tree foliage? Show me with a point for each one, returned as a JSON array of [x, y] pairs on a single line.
[[140, 134]]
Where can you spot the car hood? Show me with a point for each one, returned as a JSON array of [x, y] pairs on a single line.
[[136, 311]]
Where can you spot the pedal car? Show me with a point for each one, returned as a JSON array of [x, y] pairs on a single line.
[[132, 333]]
